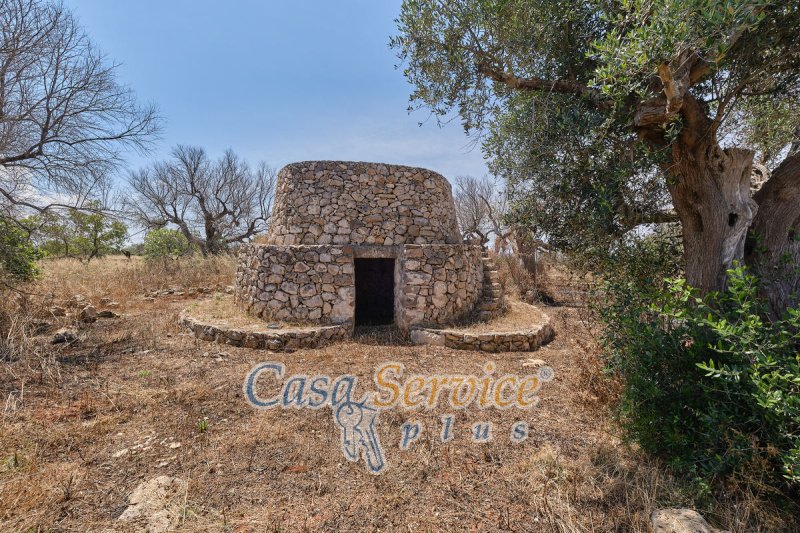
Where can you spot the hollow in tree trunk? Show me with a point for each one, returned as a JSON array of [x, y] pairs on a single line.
[[711, 194]]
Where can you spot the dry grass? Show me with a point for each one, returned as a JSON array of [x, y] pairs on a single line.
[[519, 317], [138, 383], [127, 280]]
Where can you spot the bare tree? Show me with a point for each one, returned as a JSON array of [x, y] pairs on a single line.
[[481, 206], [213, 203], [470, 208], [64, 118]]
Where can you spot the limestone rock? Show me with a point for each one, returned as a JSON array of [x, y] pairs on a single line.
[[680, 521], [88, 314], [420, 336], [155, 505]]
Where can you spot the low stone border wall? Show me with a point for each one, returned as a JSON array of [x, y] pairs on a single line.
[[490, 341], [276, 340]]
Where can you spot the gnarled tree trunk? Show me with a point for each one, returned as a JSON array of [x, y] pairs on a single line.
[[711, 194], [773, 251]]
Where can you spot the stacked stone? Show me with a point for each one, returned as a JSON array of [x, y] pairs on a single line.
[[323, 209], [296, 283], [335, 202], [492, 304], [276, 341], [439, 282], [511, 341]]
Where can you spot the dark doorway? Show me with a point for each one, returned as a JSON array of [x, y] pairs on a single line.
[[374, 291]]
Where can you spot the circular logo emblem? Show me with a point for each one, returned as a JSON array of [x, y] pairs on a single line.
[[545, 373]]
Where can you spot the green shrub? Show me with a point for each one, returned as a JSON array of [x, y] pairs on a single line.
[[18, 255], [709, 383], [165, 243]]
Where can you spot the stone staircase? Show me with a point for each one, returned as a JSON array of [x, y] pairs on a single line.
[[492, 303]]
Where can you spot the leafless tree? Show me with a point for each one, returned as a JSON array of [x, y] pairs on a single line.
[[481, 209], [64, 118], [470, 208], [213, 203], [481, 206]]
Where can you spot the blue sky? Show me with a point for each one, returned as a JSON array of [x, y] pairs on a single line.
[[276, 81]]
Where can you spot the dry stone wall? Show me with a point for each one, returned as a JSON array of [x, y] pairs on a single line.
[[296, 283], [499, 341], [438, 283], [336, 202], [279, 340]]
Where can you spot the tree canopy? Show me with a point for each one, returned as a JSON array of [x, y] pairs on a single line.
[[80, 233], [606, 115]]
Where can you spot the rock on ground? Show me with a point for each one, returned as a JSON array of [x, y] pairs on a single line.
[[88, 314], [64, 335], [419, 336], [681, 521], [155, 505]]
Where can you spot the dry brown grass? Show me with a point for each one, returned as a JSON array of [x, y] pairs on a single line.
[[519, 317], [138, 383], [127, 280]]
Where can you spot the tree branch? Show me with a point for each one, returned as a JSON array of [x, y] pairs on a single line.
[[594, 96]]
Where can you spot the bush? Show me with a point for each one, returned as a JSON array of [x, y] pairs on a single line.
[[165, 244], [18, 255], [709, 383]]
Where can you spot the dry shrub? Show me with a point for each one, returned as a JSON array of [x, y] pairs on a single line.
[[533, 285], [598, 386], [23, 315], [13, 326], [513, 275]]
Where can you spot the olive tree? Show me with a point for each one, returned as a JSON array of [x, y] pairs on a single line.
[[607, 115]]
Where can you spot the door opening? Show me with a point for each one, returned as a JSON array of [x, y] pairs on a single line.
[[374, 291]]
